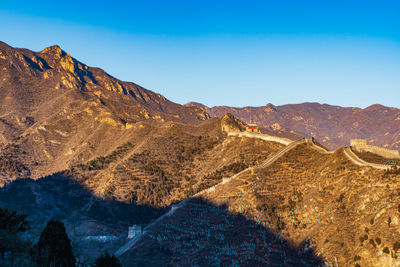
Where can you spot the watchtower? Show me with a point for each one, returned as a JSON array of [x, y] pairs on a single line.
[[252, 128], [134, 230], [361, 145]]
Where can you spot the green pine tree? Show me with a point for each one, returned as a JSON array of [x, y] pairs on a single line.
[[54, 247]]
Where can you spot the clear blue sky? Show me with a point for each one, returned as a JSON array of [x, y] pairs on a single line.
[[236, 53]]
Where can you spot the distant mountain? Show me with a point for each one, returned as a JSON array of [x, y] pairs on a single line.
[[333, 126]]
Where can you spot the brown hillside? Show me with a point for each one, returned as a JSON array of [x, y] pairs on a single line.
[[171, 163], [333, 125], [104, 154], [347, 214], [59, 111], [324, 199]]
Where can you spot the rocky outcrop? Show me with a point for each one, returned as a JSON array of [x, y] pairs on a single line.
[[230, 123]]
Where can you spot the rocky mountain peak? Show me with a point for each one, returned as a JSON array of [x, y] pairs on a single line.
[[195, 104], [58, 58], [270, 108], [54, 49], [375, 107], [52, 81], [230, 123]]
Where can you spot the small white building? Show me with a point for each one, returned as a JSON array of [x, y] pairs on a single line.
[[134, 230]]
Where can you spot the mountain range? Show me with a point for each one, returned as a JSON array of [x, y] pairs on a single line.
[[100, 155], [333, 126]]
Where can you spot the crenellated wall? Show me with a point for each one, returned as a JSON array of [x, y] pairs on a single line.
[[265, 137], [362, 146]]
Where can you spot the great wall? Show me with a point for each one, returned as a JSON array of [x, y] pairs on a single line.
[[289, 145], [361, 145], [355, 145], [360, 162], [265, 137]]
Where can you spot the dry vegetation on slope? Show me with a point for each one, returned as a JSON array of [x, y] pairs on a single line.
[[61, 111], [375, 158], [117, 146], [348, 215], [341, 209], [170, 164]]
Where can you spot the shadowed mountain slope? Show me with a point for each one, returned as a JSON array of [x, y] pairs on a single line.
[[319, 202], [204, 234], [340, 208], [93, 224]]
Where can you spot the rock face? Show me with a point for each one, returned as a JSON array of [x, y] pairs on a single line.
[[59, 111], [231, 124], [334, 126], [36, 85]]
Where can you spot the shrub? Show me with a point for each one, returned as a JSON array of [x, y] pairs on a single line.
[[101, 162], [340, 197], [106, 260], [11, 225], [357, 258], [363, 238], [396, 246]]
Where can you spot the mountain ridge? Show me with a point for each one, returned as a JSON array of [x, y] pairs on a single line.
[[59, 111], [333, 125], [100, 154]]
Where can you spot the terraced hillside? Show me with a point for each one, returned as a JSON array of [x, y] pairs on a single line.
[[99, 154], [170, 164], [135, 184], [204, 234], [345, 213]]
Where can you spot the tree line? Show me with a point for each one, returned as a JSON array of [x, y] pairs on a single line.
[[53, 248]]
